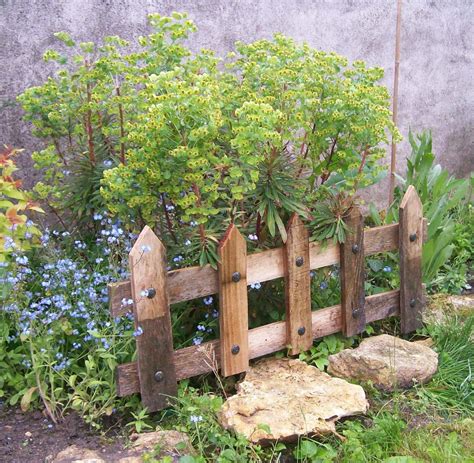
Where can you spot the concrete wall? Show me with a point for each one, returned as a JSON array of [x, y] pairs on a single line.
[[436, 84]]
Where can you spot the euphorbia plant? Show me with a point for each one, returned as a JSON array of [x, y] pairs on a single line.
[[192, 142]]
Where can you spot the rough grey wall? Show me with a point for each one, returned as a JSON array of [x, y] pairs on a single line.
[[436, 85]]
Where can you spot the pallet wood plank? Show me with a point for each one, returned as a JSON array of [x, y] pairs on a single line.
[[297, 287], [233, 303], [264, 340], [410, 245], [262, 266], [352, 275], [156, 369]]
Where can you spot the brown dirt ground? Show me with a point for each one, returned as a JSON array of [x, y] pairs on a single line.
[[46, 439]]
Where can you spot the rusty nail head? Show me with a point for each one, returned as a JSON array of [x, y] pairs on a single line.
[[301, 330], [299, 261], [355, 313], [412, 303], [150, 293], [235, 349], [159, 376], [413, 237], [355, 248], [236, 277]]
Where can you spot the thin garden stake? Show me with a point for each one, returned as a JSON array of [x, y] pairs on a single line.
[[393, 159]]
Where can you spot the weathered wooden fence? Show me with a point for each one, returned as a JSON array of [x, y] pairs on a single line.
[[153, 289]]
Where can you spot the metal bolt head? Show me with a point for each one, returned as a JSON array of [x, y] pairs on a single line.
[[413, 237], [355, 248], [150, 293], [235, 350], [301, 330], [159, 376], [356, 313], [413, 303], [299, 261], [236, 277]]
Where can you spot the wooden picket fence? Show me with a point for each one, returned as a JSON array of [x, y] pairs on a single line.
[[158, 367]]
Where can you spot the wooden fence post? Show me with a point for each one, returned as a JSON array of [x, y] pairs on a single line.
[[233, 302], [156, 369], [352, 275], [410, 246], [297, 287]]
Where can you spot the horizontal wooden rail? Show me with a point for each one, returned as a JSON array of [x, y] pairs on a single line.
[[264, 340], [261, 266]]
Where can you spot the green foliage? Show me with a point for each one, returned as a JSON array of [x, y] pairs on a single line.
[[188, 143], [319, 353], [441, 195], [452, 387], [196, 414]]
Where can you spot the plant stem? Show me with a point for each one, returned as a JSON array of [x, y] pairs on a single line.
[[169, 224], [88, 122], [122, 129], [202, 233]]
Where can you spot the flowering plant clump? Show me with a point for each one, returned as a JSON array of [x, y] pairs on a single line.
[[58, 344], [189, 142]]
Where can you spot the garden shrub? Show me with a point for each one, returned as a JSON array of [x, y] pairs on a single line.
[[190, 142]]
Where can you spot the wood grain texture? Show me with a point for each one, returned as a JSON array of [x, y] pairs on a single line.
[[297, 287], [262, 266], [410, 245], [147, 261], [264, 340], [352, 275], [233, 303]]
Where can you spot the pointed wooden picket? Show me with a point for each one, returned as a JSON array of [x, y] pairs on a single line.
[[233, 302], [410, 245], [297, 287], [352, 275], [156, 369]]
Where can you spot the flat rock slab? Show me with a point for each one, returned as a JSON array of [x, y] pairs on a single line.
[[284, 399], [387, 361]]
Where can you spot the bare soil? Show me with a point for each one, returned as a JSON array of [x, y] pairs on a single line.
[[32, 438]]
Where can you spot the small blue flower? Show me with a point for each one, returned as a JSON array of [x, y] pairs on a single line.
[[197, 340], [201, 328], [256, 285], [195, 418], [138, 331], [387, 269], [323, 285], [208, 300]]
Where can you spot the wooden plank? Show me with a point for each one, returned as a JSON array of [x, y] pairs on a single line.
[[410, 245], [352, 275], [155, 358], [233, 303], [297, 287], [264, 340], [262, 266]]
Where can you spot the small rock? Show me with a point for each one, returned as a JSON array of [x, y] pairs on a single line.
[[387, 361], [441, 307], [75, 454], [28, 434], [284, 399], [170, 442]]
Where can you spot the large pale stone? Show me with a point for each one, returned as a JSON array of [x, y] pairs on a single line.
[[387, 361], [290, 398]]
